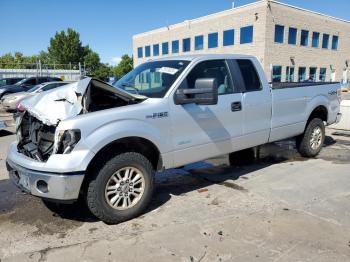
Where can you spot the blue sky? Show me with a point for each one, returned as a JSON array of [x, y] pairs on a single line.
[[108, 26]]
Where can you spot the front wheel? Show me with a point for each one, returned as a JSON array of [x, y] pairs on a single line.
[[310, 143], [122, 189]]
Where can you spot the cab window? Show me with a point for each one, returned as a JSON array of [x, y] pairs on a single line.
[[249, 74], [211, 69]]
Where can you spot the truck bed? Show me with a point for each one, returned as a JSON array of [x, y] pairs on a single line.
[[292, 103], [281, 85]]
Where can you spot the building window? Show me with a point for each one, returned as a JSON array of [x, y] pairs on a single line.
[[156, 50], [304, 38], [175, 47], [246, 35], [213, 40], [148, 51], [139, 52], [198, 42], [279, 33], [186, 45], [276, 74], [302, 74], [323, 73], [335, 41], [157, 77], [165, 48], [313, 73], [229, 37], [290, 74], [292, 36], [315, 39], [325, 41]]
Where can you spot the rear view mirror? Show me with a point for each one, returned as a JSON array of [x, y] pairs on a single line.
[[204, 93]]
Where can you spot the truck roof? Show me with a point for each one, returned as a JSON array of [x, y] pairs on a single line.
[[204, 56]]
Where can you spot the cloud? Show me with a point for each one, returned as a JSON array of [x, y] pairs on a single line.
[[116, 60]]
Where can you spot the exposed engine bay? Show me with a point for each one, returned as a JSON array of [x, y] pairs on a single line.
[[36, 127], [35, 139]]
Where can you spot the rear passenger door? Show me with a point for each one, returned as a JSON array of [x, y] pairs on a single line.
[[256, 104]]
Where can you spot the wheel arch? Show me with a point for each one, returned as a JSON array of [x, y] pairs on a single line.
[[320, 112], [127, 144]]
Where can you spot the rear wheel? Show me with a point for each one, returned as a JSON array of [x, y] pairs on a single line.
[[122, 189], [310, 143]]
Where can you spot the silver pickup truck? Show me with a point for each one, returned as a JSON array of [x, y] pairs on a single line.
[[104, 143]]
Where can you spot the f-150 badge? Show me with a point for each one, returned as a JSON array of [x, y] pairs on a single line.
[[157, 115]]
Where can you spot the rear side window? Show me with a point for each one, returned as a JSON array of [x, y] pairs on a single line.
[[30, 81], [42, 80], [49, 87], [250, 76]]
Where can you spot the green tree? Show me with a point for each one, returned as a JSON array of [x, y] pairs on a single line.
[[102, 72], [66, 47], [91, 60], [44, 57], [125, 66]]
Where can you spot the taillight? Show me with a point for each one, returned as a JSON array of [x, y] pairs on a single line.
[[339, 93], [20, 108]]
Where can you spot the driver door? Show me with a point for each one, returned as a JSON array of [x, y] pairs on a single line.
[[203, 131]]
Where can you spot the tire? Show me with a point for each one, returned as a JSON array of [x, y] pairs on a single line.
[[310, 143], [114, 199], [243, 157]]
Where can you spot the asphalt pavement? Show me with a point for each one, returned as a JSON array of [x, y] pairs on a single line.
[[280, 207]]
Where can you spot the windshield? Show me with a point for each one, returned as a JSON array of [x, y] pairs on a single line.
[[152, 79], [35, 88], [21, 82]]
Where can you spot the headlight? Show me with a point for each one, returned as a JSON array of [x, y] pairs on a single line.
[[65, 141], [18, 121]]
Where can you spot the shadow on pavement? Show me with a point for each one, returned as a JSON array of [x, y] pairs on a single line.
[[4, 132], [17, 207]]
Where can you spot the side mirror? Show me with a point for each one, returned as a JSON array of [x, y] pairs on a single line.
[[205, 92]]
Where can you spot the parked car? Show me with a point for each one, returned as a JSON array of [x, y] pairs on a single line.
[[105, 144], [10, 102], [9, 81], [25, 84]]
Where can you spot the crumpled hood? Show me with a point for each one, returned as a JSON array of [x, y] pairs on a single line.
[[64, 102]]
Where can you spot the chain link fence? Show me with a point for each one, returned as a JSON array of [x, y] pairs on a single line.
[[71, 71]]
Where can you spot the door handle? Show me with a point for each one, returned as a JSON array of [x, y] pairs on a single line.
[[236, 106]]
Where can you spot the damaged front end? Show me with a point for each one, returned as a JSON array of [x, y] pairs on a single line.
[[35, 139], [37, 134]]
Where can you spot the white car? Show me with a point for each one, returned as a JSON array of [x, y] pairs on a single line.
[[10, 102]]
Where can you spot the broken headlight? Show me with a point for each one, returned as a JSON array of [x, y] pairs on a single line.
[[18, 121], [65, 141]]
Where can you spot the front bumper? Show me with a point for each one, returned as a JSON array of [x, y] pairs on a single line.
[[58, 186]]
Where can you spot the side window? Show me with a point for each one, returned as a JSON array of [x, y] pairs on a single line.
[[49, 87], [30, 81], [250, 76], [211, 69], [42, 80]]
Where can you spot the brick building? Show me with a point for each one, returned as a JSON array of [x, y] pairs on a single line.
[[292, 44]]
